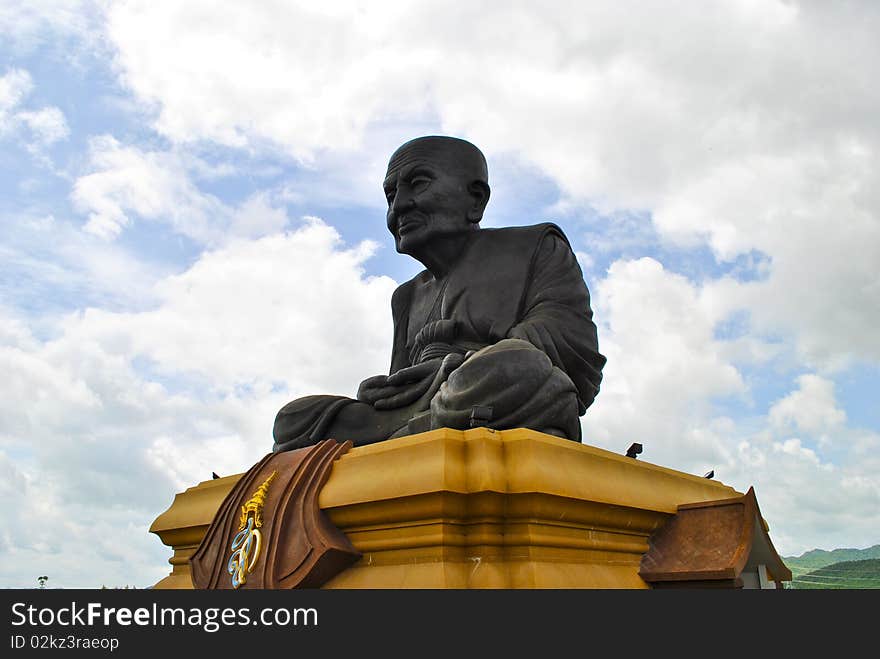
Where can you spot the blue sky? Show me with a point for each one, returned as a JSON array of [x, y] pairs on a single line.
[[192, 233]]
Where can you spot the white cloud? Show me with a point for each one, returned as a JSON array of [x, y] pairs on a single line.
[[46, 125], [153, 185], [105, 420], [14, 87], [276, 76], [754, 128], [664, 368], [264, 310], [257, 217], [809, 501], [659, 330], [817, 216], [45, 533], [812, 408], [51, 266], [48, 23], [126, 183]]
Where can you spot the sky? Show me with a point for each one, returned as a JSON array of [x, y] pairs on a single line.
[[192, 234]]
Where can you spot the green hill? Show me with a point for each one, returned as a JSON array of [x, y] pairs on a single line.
[[819, 558], [846, 574]]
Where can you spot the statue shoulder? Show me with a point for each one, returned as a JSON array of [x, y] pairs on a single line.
[[526, 236], [402, 294]]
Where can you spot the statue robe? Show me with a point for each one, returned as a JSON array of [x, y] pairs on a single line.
[[517, 300]]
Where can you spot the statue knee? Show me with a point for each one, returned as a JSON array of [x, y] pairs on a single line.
[[305, 421], [510, 384]]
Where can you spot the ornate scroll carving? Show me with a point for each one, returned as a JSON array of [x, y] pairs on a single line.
[[269, 531]]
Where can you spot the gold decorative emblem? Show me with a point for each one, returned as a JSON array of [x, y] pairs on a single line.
[[247, 543]]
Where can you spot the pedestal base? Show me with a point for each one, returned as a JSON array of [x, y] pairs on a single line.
[[478, 509]]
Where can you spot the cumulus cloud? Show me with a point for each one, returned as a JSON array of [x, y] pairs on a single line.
[[46, 533], [815, 476], [49, 23], [58, 457], [812, 408], [14, 86], [126, 183], [117, 411], [51, 266], [809, 501], [45, 125], [751, 133], [265, 311], [817, 217], [754, 129], [664, 366], [276, 77]]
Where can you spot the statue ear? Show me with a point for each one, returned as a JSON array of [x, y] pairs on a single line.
[[479, 191]]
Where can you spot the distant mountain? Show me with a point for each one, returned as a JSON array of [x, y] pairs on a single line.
[[846, 574], [819, 558]]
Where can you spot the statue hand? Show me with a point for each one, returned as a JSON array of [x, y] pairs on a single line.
[[408, 385], [383, 393], [372, 389]]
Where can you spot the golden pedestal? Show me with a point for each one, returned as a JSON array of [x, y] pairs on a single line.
[[476, 509]]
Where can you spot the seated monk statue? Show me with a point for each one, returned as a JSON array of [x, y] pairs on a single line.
[[496, 331]]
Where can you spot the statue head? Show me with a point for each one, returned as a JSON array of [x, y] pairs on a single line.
[[437, 188]]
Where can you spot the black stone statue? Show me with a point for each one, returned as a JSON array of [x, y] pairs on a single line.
[[497, 331]]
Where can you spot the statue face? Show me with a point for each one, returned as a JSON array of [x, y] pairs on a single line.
[[428, 198]]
